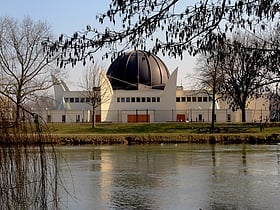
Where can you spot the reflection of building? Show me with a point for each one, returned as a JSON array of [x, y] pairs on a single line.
[[139, 88]]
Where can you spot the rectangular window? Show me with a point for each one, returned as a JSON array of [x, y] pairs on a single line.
[[87, 100], [193, 99], [178, 99], [158, 99], [77, 100], [143, 99], [153, 99], [148, 99], [189, 99], [127, 99], [183, 99], [137, 99], [71, 100], [199, 99], [122, 99], [118, 100], [66, 100], [210, 98], [82, 100], [204, 99], [133, 99]]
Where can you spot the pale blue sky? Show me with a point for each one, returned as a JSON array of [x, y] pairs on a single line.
[[68, 16], [64, 16]]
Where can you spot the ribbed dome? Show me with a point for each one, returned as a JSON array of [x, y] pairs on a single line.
[[137, 68]]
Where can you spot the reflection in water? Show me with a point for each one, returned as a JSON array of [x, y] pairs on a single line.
[[28, 166], [129, 191], [244, 162], [188, 176], [28, 178]]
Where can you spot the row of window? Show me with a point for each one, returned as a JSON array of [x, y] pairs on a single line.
[[137, 99], [194, 99], [77, 100], [141, 99], [181, 117]]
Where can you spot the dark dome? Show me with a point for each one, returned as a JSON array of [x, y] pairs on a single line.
[[135, 68]]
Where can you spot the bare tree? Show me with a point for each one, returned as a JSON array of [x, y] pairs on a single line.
[[96, 87], [24, 65], [29, 176], [171, 27], [210, 78], [246, 73]]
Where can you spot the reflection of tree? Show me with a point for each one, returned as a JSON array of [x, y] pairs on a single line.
[[213, 154], [28, 168], [26, 172], [229, 187], [244, 160]]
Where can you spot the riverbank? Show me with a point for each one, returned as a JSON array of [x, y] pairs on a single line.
[[146, 133], [157, 133], [66, 139]]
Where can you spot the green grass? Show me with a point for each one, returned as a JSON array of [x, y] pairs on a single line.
[[83, 128], [157, 128]]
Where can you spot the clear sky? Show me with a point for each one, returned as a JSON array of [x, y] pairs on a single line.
[[68, 16]]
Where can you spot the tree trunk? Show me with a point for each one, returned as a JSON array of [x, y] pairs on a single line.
[[17, 120], [213, 111], [243, 114], [93, 118]]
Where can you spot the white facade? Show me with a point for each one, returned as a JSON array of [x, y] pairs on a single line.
[[147, 105]]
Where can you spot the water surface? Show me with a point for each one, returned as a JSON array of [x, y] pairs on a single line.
[[183, 176]]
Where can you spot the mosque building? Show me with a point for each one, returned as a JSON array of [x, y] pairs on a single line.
[[138, 87]]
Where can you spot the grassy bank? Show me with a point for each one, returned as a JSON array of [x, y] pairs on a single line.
[[135, 133], [125, 128]]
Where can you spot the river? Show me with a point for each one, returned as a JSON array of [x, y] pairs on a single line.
[[171, 176]]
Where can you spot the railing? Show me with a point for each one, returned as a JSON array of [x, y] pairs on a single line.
[[155, 115]]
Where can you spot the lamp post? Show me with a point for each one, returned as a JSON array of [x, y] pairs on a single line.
[[47, 114]]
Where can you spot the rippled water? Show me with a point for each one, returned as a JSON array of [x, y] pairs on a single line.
[[183, 176]]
